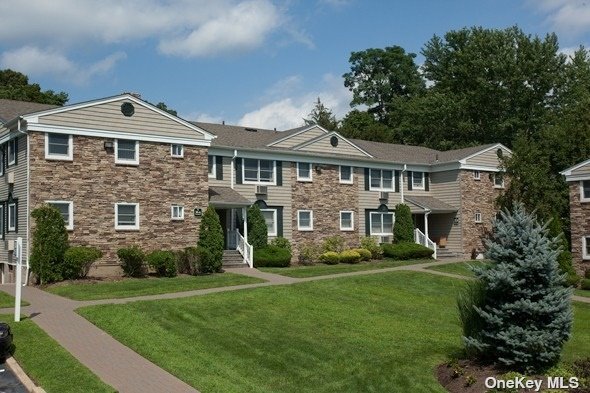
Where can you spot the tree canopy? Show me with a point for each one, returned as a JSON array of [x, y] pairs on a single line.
[[321, 116], [15, 86]]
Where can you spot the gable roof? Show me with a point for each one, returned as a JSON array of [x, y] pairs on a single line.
[[431, 204], [9, 109], [286, 135], [580, 171], [355, 149]]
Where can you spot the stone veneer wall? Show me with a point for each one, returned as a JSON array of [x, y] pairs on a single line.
[[326, 196], [94, 183], [580, 224], [477, 195]]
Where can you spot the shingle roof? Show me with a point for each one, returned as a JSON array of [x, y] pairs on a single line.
[[431, 203], [226, 196], [9, 109], [397, 153], [459, 154], [238, 136]]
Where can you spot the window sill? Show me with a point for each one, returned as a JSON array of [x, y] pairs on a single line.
[[177, 219], [382, 189], [126, 163], [381, 234], [59, 158], [347, 230], [305, 229], [346, 182], [305, 180], [126, 229], [259, 183]]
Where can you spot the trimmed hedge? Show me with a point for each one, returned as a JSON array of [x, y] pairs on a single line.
[[211, 240], [407, 250], [163, 262], [586, 284], [364, 253], [49, 244], [350, 256], [334, 243], [132, 261], [77, 261], [403, 228], [370, 243], [309, 253], [272, 256], [330, 258], [207, 262], [281, 242]]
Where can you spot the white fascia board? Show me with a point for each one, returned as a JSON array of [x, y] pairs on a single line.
[[116, 135], [568, 171], [577, 178]]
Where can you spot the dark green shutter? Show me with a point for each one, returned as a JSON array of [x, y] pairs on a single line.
[[426, 181], [279, 167], [396, 178], [367, 222], [280, 221], [219, 167], [16, 215], [16, 151], [367, 173], [410, 180], [238, 162]]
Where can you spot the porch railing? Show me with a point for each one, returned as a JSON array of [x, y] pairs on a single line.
[[421, 238], [245, 249]]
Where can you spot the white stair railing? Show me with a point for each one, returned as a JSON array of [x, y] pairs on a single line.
[[245, 249], [421, 238]]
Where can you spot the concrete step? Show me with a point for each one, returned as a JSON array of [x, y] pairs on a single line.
[[232, 259]]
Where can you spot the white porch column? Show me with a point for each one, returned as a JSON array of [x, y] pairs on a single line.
[[401, 185], [245, 215], [426, 237]]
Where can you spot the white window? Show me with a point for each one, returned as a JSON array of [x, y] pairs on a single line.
[[177, 212], [347, 221], [127, 216], [270, 217], [177, 151], [211, 166], [11, 217], [258, 171], [381, 223], [417, 180], [58, 147], [66, 208], [499, 180], [586, 247], [305, 220], [585, 191], [304, 171], [12, 147], [381, 180], [476, 175], [477, 217], [126, 152], [346, 174]]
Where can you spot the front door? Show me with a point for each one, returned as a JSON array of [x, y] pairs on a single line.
[[230, 234]]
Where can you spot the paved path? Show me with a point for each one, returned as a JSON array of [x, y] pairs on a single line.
[[121, 367]]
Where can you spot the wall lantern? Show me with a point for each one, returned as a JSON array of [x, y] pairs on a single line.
[[108, 145], [198, 212]]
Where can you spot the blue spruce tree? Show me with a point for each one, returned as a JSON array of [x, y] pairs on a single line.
[[523, 310]]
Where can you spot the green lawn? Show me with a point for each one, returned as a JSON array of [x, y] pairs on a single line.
[[582, 292], [48, 364], [8, 301], [322, 269], [461, 268], [131, 287]]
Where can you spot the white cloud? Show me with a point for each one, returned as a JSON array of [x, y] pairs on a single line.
[[567, 17], [33, 61]]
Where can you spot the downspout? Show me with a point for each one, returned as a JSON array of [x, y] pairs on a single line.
[[402, 182], [233, 168], [27, 221], [426, 237]]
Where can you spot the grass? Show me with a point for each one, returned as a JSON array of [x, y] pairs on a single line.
[[322, 269], [461, 268], [582, 292], [8, 301], [131, 287], [48, 364]]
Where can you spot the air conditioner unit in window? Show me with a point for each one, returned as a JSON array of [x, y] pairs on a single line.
[[10, 177], [384, 239], [384, 195], [10, 245], [261, 190]]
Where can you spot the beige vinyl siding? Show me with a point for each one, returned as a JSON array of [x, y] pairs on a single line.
[[108, 117], [301, 138], [324, 146], [445, 186], [488, 158], [581, 171], [226, 182], [370, 199]]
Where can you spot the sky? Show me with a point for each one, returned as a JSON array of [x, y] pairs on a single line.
[[258, 63]]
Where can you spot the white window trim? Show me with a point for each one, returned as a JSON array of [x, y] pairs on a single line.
[[181, 155], [179, 218], [59, 157], [274, 212], [501, 185], [2, 224], [348, 181], [582, 199], [259, 182], [381, 181], [123, 160], [305, 179], [11, 143], [213, 172], [351, 221], [2, 152], [127, 227], [11, 228], [70, 224], [476, 175], [371, 224], [422, 185], [476, 219], [585, 255], [305, 229]]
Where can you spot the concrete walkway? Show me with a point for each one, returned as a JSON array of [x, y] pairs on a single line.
[[121, 367]]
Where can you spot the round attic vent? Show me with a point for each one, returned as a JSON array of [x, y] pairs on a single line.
[[127, 109], [334, 141], [499, 153]]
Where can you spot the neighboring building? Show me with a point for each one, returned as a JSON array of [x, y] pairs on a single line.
[[123, 172], [578, 178]]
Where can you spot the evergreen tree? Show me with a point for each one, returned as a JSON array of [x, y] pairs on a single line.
[[50, 242], [321, 116], [403, 228], [257, 230], [211, 241], [524, 313]]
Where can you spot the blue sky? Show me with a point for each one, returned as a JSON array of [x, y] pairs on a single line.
[[260, 63]]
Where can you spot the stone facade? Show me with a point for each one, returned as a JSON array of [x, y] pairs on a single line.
[[326, 197], [94, 183], [580, 224], [477, 196]]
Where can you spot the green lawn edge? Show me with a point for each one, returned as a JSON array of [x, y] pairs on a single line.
[[7, 301]]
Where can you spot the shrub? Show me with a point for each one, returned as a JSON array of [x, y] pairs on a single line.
[[163, 262], [186, 260], [77, 261], [257, 229], [211, 239], [403, 251], [472, 296], [330, 258], [566, 266], [587, 274], [309, 253], [365, 254], [50, 242], [272, 256], [403, 228], [350, 256], [333, 243], [207, 261], [132, 261], [370, 243], [585, 284], [281, 242]]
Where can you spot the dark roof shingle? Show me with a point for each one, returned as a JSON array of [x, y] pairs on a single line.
[[9, 109]]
